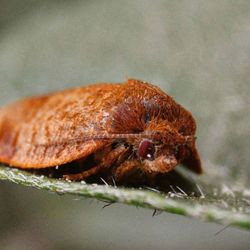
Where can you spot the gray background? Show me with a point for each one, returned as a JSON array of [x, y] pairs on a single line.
[[197, 51]]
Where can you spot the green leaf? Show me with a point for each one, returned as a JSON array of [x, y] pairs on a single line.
[[202, 200]]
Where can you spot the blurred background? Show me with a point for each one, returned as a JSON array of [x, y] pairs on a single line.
[[197, 51]]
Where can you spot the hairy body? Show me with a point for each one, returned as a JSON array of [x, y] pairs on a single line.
[[124, 128]]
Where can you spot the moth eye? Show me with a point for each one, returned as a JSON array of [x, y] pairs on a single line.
[[146, 150]]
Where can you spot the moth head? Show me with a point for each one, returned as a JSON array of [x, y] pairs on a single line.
[[162, 153], [160, 131], [170, 137]]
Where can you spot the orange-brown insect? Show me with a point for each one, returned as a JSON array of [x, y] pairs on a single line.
[[112, 130]]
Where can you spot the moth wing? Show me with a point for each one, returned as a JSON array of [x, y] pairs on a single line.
[[193, 162], [51, 130]]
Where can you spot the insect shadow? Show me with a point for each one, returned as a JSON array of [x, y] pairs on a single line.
[[177, 183]]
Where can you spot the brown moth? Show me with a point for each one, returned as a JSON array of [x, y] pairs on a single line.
[[114, 130]]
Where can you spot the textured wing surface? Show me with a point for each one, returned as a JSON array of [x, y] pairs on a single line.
[[55, 129]]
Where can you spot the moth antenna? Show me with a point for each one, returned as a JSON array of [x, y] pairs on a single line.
[[107, 136], [93, 137]]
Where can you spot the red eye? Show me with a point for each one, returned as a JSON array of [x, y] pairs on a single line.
[[146, 149]]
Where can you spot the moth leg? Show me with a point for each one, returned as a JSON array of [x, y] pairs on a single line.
[[126, 169], [114, 155]]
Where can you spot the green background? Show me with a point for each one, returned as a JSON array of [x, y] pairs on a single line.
[[197, 51]]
